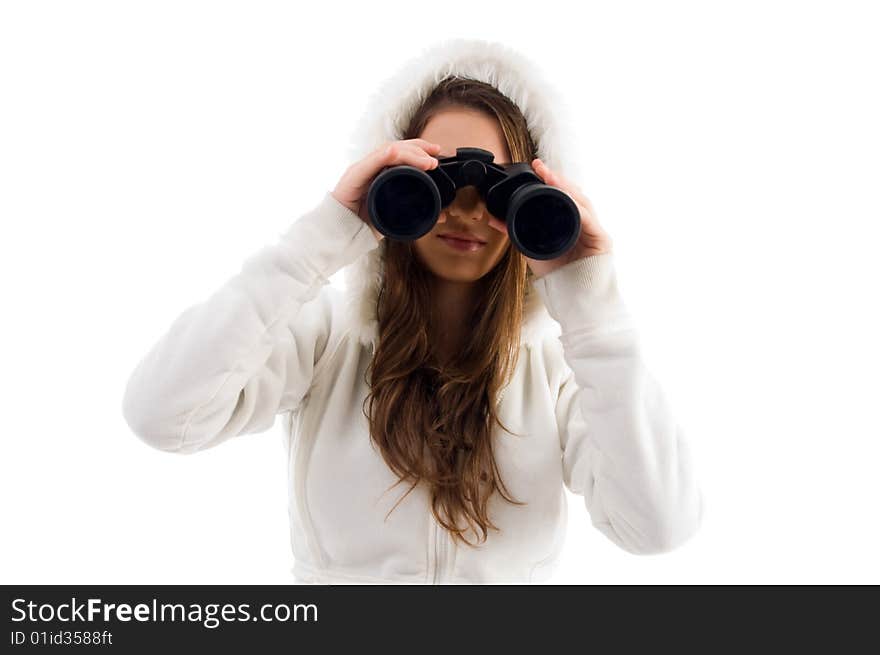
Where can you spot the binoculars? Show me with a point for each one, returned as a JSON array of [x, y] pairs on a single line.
[[543, 222]]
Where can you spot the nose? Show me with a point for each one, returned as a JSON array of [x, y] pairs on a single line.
[[467, 204]]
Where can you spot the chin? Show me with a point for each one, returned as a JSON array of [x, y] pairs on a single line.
[[457, 269], [458, 275]]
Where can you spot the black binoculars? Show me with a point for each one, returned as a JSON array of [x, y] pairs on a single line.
[[543, 222]]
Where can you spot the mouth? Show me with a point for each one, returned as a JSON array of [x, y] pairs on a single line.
[[463, 245]]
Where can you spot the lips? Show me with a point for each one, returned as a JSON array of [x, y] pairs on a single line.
[[463, 245], [462, 236]]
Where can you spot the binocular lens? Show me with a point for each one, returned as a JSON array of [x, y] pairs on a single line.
[[543, 223], [404, 206]]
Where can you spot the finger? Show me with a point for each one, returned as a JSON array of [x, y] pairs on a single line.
[[403, 152], [361, 173], [549, 176], [393, 154], [428, 146], [589, 219], [557, 179], [420, 147], [552, 179]]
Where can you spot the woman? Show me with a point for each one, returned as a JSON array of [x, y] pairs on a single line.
[[436, 410]]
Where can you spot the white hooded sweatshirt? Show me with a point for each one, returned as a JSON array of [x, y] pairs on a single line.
[[276, 338]]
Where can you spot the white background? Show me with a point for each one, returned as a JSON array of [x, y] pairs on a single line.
[[732, 151]]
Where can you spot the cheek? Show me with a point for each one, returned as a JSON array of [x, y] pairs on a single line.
[[499, 249], [423, 245]]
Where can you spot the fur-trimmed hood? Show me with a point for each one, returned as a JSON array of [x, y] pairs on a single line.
[[392, 105]]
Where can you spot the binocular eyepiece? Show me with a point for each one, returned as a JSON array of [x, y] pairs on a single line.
[[543, 222]]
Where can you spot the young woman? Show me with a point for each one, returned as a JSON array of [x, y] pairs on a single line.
[[435, 411]]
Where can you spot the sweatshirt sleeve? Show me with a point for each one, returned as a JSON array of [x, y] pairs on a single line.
[[622, 449], [228, 365]]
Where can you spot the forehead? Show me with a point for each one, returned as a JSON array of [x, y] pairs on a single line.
[[457, 127]]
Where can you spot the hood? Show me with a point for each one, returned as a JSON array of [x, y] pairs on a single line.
[[389, 110]]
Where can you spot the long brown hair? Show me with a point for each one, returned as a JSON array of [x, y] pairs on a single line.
[[433, 423]]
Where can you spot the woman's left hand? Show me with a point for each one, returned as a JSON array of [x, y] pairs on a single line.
[[593, 240]]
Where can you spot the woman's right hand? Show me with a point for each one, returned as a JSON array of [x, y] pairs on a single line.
[[352, 188]]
